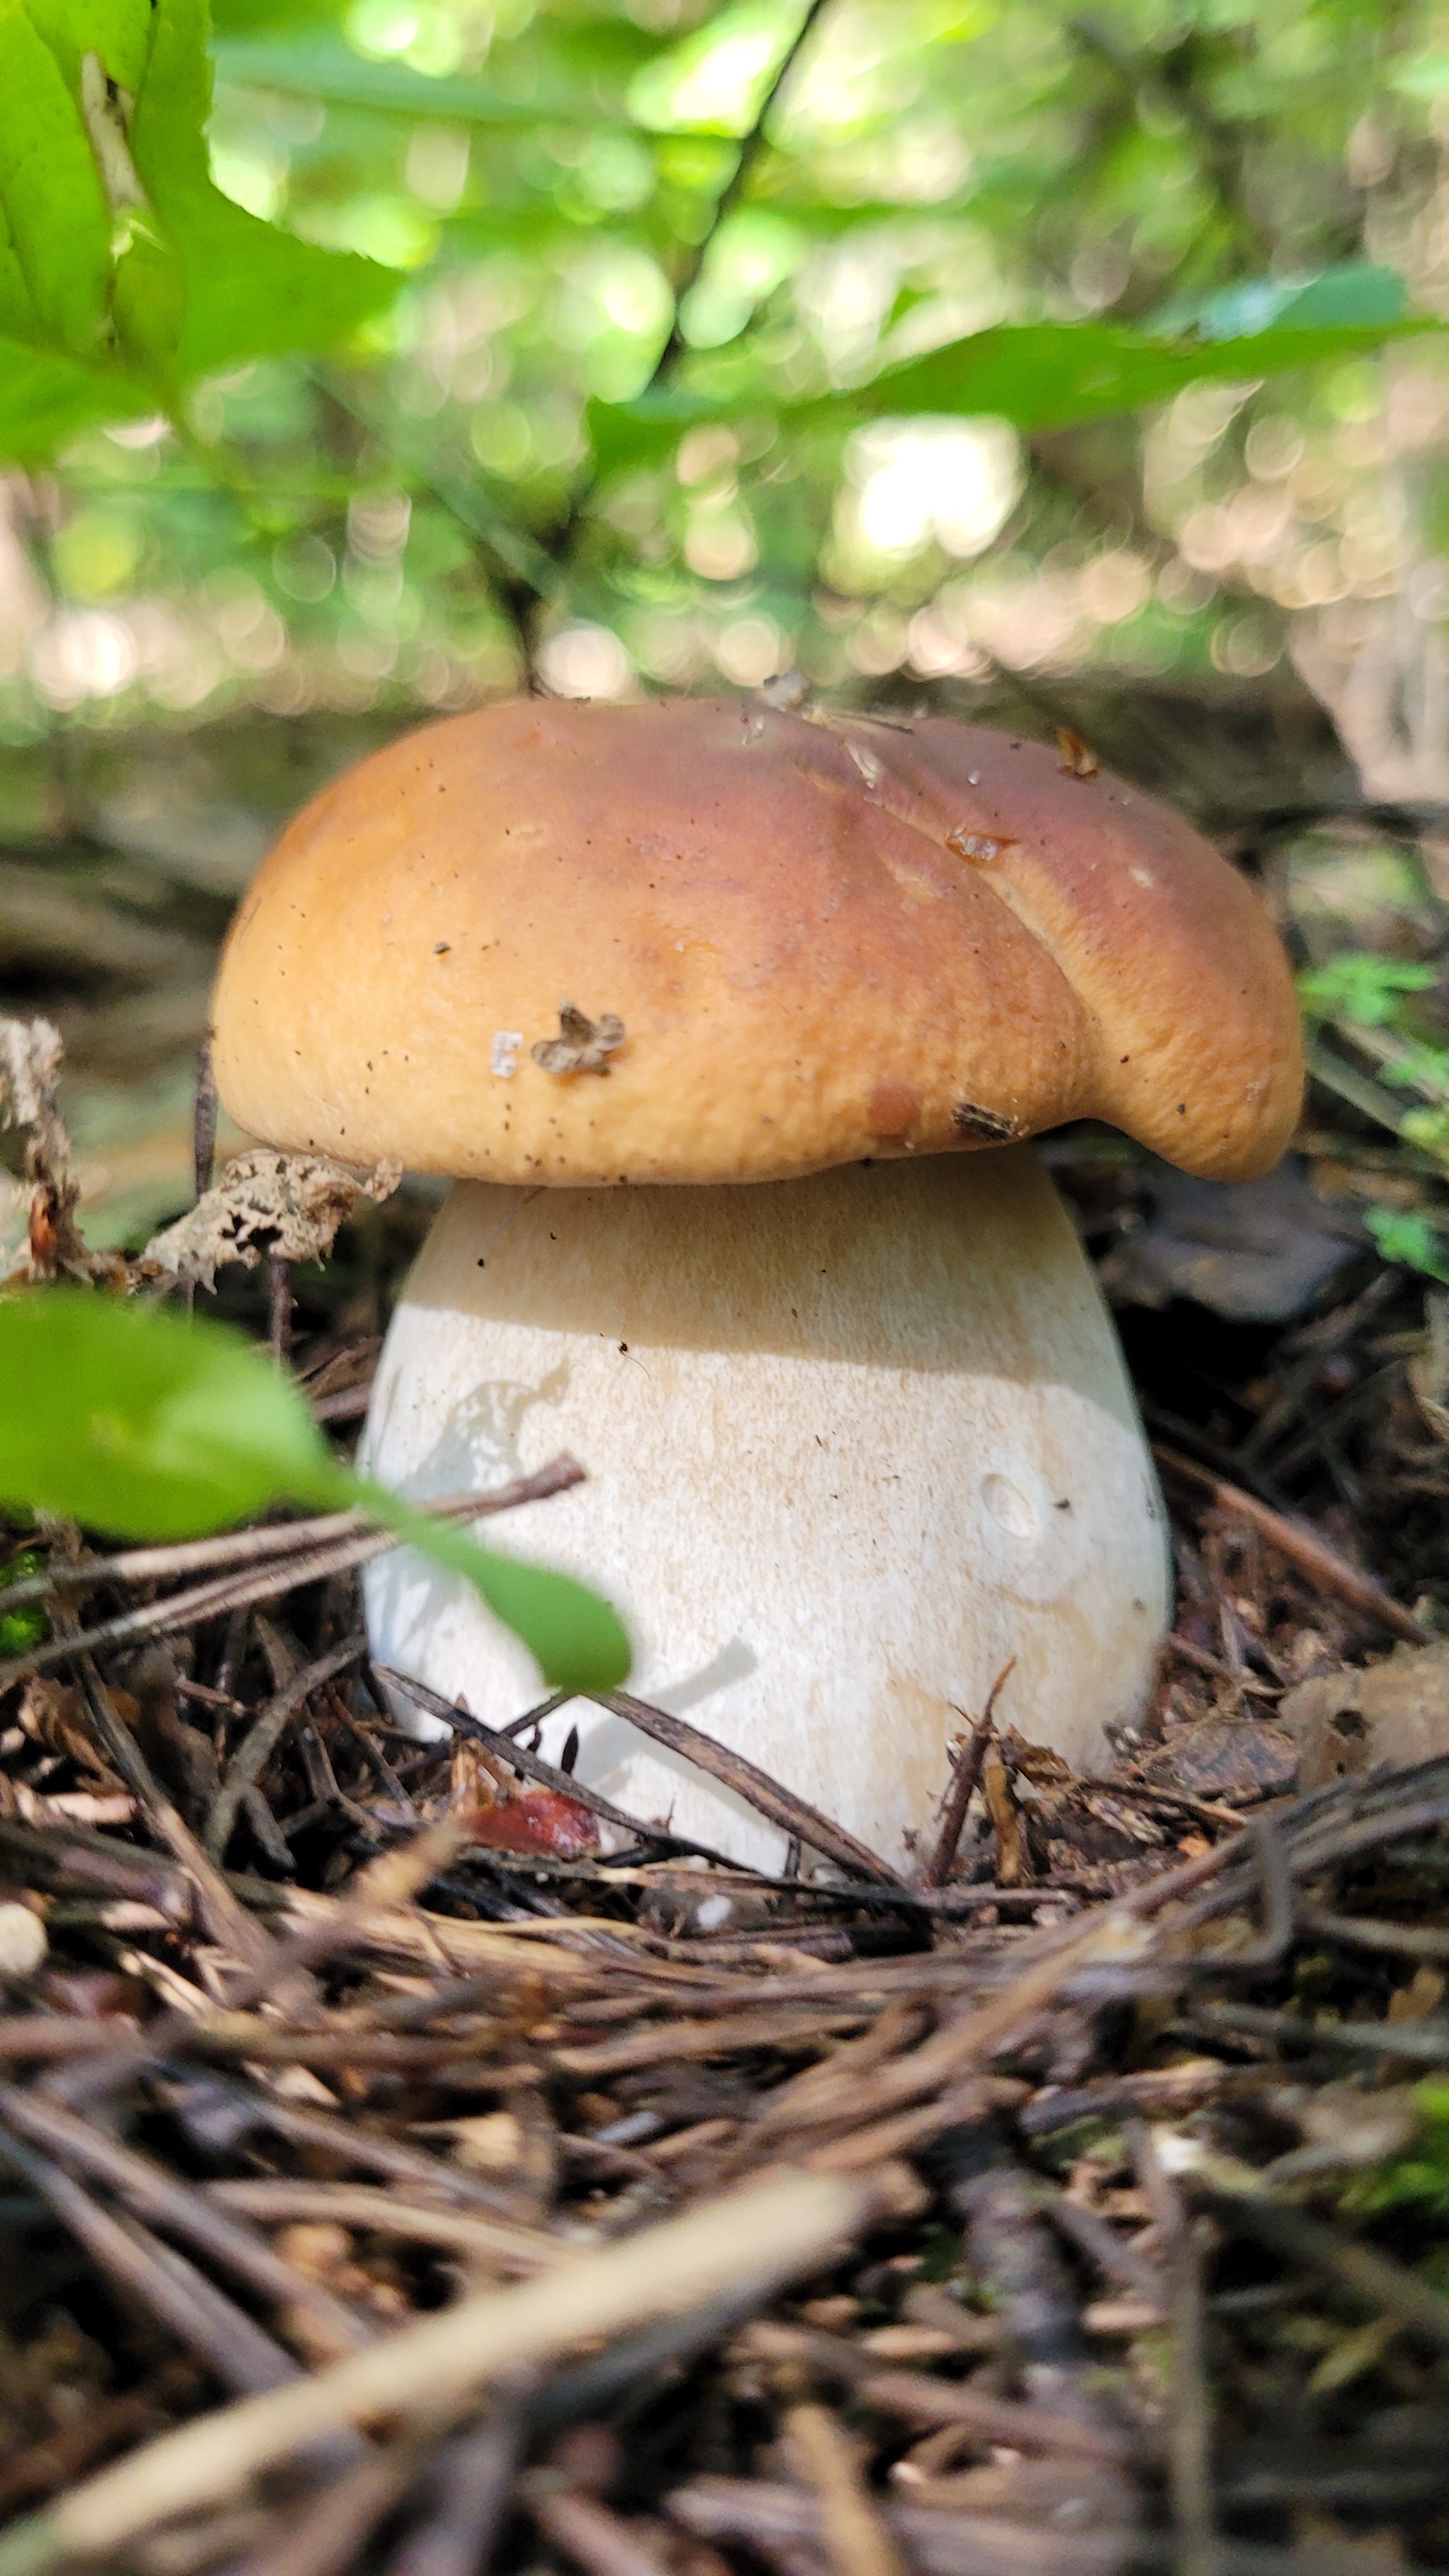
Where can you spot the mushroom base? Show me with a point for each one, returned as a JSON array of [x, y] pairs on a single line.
[[852, 1443]]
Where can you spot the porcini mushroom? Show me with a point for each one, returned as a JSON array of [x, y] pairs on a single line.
[[708, 1012]]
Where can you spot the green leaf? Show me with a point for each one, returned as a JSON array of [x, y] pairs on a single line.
[[1357, 985], [325, 68], [108, 310], [250, 291], [118, 31], [57, 222], [714, 81], [150, 1425], [46, 402], [1410, 1238], [584, 1643], [1359, 293], [1038, 375], [1052, 375], [136, 1422], [253, 292], [28, 1625]]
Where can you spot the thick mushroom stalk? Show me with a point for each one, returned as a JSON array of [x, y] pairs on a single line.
[[852, 1443]]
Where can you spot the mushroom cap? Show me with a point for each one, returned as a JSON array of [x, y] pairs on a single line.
[[787, 942]]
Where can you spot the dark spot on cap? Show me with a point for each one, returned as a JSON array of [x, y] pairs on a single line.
[[987, 1126]]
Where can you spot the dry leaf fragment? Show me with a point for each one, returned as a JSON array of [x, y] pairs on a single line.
[[582, 1045], [288, 1204], [1076, 759], [1396, 1713], [30, 1059]]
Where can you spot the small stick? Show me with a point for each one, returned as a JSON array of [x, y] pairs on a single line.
[[1304, 1547], [311, 1564], [261, 1740], [752, 2241], [1363, 1932], [1189, 2428], [279, 1296], [497, 2241], [963, 1783], [533, 1766], [230, 2344], [768, 1797], [857, 2539], [923, 2399], [226, 1919], [586, 2531], [203, 1121], [470, 2493], [167, 2202]]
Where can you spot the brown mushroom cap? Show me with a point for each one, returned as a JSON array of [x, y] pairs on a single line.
[[824, 939]]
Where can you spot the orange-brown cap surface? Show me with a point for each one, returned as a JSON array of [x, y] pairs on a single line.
[[789, 943]]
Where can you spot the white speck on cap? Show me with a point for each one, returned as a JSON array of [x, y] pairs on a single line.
[[503, 1057]]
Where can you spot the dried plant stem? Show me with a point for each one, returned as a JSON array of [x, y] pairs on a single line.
[[469, 2493], [221, 2335], [168, 2203], [767, 1796], [495, 2241], [857, 2539], [312, 1564], [265, 1734], [1189, 2426], [759, 2237], [586, 2531], [963, 1783], [1305, 1548]]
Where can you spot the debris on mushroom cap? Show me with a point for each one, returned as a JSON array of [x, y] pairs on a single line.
[[826, 942], [582, 1045]]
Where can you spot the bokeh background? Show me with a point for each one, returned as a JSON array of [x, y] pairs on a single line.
[[1239, 596]]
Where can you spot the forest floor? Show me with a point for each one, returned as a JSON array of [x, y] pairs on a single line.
[[394, 2176]]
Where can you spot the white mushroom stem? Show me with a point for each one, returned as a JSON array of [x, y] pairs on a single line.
[[852, 1442]]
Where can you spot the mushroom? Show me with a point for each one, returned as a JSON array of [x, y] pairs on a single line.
[[708, 1012]]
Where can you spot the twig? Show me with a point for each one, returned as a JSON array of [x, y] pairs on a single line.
[[1189, 2429], [279, 1303], [203, 1121], [499, 2242], [922, 2399], [1304, 1547], [233, 2348], [227, 1921], [779, 2520], [763, 2236], [168, 2203], [729, 197], [963, 1782], [313, 1564], [768, 1797], [259, 1744], [469, 2492], [533, 1767], [857, 2539], [586, 2531], [1362, 1932]]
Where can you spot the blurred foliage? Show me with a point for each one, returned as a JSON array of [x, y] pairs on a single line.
[[157, 1425], [1419, 2178], [673, 341]]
